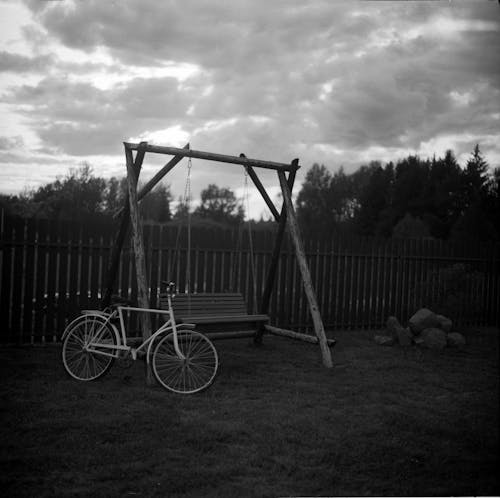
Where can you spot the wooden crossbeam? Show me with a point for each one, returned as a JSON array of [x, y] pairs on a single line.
[[208, 156], [256, 180]]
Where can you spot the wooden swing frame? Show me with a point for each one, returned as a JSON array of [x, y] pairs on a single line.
[[286, 217]]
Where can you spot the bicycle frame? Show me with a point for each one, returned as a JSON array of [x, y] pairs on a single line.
[[169, 325]]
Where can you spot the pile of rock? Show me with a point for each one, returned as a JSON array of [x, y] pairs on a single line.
[[425, 328]]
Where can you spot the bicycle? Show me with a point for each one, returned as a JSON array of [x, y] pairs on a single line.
[[183, 361]]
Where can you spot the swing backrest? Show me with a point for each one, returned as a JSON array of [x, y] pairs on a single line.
[[213, 304]]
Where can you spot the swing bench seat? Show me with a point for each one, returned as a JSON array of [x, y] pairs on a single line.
[[217, 315]]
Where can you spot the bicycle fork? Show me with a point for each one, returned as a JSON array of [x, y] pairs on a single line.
[[174, 328]]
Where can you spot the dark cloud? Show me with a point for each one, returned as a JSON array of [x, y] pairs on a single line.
[[216, 35], [78, 118], [22, 64]]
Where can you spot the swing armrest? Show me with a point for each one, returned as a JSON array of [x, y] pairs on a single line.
[[224, 319]]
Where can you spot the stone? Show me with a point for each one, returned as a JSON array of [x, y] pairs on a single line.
[[393, 327], [405, 337], [444, 323], [384, 340], [421, 320], [456, 340], [434, 338]]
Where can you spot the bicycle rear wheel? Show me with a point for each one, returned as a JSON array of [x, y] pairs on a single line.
[[84, 364], [189, 375]]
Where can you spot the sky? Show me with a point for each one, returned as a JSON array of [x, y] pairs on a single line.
[[328, 82]]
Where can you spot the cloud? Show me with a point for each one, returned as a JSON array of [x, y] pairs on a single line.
[[330, 82], [22, 64], [78, 118], [8, 143]]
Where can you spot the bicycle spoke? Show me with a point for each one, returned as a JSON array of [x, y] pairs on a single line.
[[185, 375], [78, 361]]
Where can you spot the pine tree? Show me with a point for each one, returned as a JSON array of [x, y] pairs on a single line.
[[475, 177]]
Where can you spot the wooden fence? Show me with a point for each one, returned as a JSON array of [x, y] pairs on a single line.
[[51, 270]]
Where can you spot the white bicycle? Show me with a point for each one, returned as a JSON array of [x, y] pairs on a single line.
[[182, 360]]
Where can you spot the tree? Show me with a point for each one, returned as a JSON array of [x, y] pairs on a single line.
[[374, 199], [324, 201], [411, 181], [475, 177], [342, 196], [312, 200], [443, 202], [77, 196], [155, 206], [220, 205], [411, 228], [492, 204], [479, 216], [115, 195], [20, 205]]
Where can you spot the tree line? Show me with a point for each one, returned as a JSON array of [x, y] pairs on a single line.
[[82, 196], [413, 197]]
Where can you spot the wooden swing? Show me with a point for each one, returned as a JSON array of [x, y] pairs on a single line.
[[221, 315], [217, 310]]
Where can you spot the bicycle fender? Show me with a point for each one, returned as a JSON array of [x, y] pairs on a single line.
[[89, 314], [85, 314]]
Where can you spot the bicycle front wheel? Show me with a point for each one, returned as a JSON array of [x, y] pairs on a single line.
[[190, 374], [82, 361]]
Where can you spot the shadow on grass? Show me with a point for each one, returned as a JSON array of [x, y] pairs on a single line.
[[383, 421]]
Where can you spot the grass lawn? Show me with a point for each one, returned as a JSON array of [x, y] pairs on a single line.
[[383, 421]]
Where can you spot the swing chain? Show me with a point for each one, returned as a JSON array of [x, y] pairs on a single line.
[[187, 187], [186, 204]]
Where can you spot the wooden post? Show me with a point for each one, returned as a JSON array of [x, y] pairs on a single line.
[[304, 270], [120, 237], [140, 258], [271, 276]]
